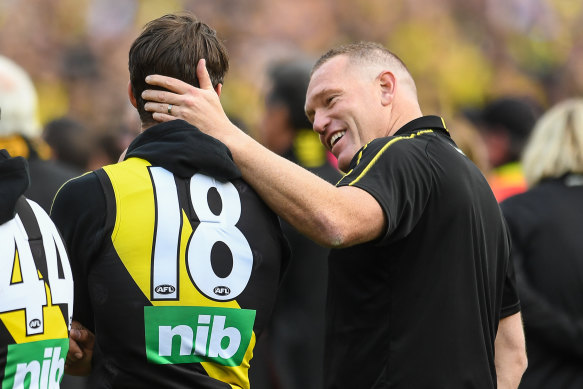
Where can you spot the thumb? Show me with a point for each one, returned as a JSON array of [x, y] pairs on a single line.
[[204, 79]]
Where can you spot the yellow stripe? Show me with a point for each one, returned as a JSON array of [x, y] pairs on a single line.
[[385, 147], [135, 222], [443, 122]]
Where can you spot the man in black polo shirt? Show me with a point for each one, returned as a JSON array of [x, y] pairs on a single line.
[[421, 289]]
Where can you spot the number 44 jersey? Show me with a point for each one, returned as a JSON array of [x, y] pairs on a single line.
[[36, 287], [177, 262]]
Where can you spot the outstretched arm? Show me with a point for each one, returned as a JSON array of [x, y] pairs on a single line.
[[510, 352], [333, 217]]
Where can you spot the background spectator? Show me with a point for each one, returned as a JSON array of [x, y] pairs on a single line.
[[546, 225], [505, 124], [69, 141], [296, 335], [20, 130]]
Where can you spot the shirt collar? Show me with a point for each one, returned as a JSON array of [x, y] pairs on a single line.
[[423, 123]]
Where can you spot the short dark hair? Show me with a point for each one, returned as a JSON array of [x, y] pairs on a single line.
[[172, 45], [289, 84], [513, 115]]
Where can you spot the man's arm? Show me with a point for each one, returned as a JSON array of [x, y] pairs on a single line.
[[510, 352], [333, 217]]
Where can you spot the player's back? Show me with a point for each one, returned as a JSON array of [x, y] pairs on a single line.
[[36, 287], [186, 273]]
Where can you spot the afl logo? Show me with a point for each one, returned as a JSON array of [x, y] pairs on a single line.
[[222, 291], [34, 323], [165, 289]]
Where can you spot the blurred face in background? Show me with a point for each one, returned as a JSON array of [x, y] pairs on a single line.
[[275, 130]]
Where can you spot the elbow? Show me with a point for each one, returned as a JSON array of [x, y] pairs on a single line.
[[523, 361], [336, 235]]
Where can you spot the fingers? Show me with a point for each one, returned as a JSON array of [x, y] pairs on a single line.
[[81, 336], [75, 353], [172, 84], [162, 117], [204, 79], [163, 98]]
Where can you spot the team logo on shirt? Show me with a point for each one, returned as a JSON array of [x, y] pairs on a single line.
[[35, 364], [197, 334], [165, 289]]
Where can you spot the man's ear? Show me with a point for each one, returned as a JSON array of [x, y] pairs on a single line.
[[131, 95], [219, 89], [387, 82]]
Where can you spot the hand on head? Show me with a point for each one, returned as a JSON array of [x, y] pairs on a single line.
[[200, 107]]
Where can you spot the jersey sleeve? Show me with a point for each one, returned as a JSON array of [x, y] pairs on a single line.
[[398, 175], [79, 212]]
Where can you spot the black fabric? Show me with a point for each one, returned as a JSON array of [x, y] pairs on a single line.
[[298, 329], [419, 307], [15, 180], [109, 301], [197, 152], [546, 225], [79, 213]]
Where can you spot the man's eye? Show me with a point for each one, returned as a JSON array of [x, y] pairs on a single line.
[[330, 99]]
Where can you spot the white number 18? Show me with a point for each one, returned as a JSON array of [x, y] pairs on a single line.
[[212, 229]]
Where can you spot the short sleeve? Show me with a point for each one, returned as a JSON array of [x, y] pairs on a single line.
[[397, 173]]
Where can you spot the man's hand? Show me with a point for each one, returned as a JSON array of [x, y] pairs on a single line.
[[81, 342], [200, 107]]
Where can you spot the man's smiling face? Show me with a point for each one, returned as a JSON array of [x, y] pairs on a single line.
[[343, 103]]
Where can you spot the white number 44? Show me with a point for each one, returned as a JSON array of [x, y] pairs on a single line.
[[21, 287]]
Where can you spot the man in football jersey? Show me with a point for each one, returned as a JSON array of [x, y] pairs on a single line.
[[421, 290], [176, 259], [36, 286]]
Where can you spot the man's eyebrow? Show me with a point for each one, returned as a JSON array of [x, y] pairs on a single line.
[[318, 95]]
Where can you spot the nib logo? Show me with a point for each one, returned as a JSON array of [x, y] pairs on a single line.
[[38, 365], [197, 334]]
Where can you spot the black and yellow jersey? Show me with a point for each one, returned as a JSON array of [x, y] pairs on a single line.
[[177, 262], [36, 287], [419, 307]]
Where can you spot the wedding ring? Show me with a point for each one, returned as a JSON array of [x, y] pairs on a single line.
[[169, 109]]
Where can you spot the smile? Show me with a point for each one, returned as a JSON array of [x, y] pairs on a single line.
[[334, 138]]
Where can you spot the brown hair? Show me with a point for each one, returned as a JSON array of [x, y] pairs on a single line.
[[172, 45]]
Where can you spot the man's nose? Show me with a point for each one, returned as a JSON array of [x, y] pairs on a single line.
[[320, 122]]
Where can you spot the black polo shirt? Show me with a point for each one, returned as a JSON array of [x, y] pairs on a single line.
[[419, 307]]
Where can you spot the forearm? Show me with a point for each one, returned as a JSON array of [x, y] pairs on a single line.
[[510, 352], [316, 208], [332, 217]]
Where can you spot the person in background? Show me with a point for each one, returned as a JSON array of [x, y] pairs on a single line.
[[505, 124], [410, 304], [176, 259], [296, 335], [546, 225], [36, 286], [70, 142], [469, 140], [20, 134]]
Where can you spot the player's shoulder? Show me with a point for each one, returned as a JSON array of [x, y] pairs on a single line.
[[81, 189]]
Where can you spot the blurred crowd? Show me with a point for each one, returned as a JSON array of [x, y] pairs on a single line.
[[494, 69]]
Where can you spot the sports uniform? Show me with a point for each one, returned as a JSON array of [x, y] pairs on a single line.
[[546, 225], [419, 307], [177, 262], [36, 287]]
